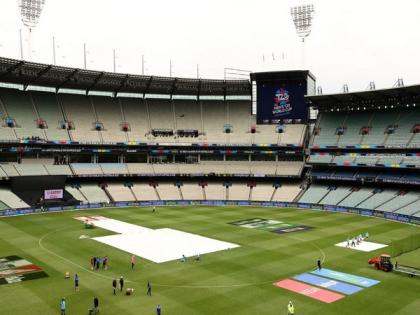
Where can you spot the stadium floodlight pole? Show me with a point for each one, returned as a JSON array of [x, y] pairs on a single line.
[[21, 43], [142, 64], [198, 71], [302, 17], [170, 68], [114, 60], [30, 11], [84, 55], [53, 42]]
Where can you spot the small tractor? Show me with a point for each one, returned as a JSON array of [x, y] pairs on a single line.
[[382, 262]]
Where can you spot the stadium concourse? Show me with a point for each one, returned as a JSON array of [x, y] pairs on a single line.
[[109, 139]]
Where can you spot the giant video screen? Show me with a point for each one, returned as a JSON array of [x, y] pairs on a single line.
[[281, 102]]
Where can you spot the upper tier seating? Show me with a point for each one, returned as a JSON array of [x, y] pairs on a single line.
[[135, 113], [79, 110], [405, 122], [214, 120], [50, 111], [254, 168], [376, 126], [239, 117], [109, 113], [18, 106], [100, 119]]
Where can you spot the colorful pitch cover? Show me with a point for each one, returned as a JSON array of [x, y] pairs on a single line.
[[14, 269], [310, 291], [346, 277], [274, 226], [328, 283]]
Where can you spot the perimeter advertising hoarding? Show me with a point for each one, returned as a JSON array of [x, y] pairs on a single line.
[[281, 102]]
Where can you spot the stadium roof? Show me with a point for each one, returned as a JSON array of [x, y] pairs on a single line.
[[372, 99], [282, 75], [30, 73]]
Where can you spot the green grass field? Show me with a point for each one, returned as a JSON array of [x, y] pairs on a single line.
[[237, 281]]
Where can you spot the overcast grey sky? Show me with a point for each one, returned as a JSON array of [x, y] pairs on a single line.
[[353, 41]]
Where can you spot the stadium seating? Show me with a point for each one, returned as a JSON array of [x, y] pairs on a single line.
[[335, 196], [79, 110], [135, 113], [215, 191], [411, 209], [162, 115], [114, 168], [377, 199], [10, 200], [31, 169], [262, 192], [377, 127], [19, 106], [401, 200], [214, 121], [94, 193], [375, 124], [144, 191], [76, 193], [314, 194], [120, 192], [238, 191], [86, 168], [168, 191], [405, 123], [192, 191], [286, 192], [50, 112], [109, 113], [327, 125]]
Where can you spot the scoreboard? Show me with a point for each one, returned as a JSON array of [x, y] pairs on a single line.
[[280, 96]]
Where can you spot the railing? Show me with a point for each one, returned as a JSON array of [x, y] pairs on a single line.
[[364, 212]]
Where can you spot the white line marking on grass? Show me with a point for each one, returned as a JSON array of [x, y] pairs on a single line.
[[68, 260], [182, 286]]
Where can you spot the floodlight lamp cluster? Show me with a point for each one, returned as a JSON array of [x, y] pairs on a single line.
[[302, 18], [30, 11]]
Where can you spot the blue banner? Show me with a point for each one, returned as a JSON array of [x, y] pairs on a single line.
[[346, 277], [328, 283]]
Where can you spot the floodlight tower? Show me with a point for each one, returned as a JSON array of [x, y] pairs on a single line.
[[302, 17], [30, 11]]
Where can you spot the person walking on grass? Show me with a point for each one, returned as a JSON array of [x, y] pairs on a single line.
[[149, 288], [121, 283], [133, 261], [290, 308], [114, 286], [63, 306], [318, 263], [96, 304], [158, 310], [76, 282]]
